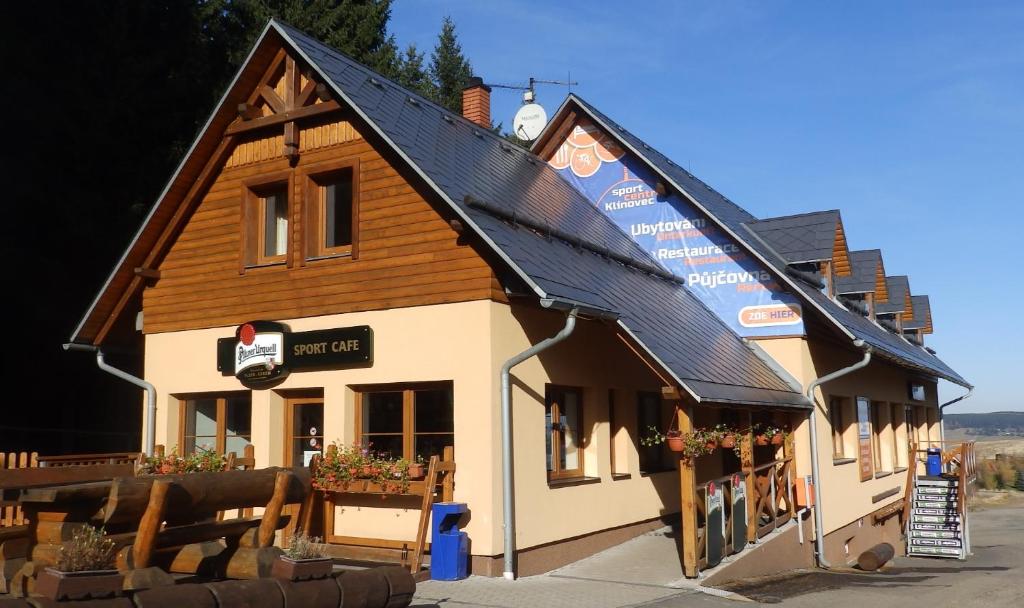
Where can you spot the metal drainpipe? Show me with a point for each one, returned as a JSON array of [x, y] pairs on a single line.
[[506, 436], [942, 420], [819, 530], [139, 382]]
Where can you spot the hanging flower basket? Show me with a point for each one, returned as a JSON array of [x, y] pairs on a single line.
[[761, 440], [675, 442], [729, 441], [777, 439]]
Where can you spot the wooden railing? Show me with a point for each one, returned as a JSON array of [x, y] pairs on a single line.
[[10, 513], [74, 460], [958, 459], [773, 495]]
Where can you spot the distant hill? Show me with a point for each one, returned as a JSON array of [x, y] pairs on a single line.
[[992, 423]]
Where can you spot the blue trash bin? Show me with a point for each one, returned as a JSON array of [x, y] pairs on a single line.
[[449, 547], [933, 466]]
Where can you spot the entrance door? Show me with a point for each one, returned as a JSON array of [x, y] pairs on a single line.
[[304, 430]]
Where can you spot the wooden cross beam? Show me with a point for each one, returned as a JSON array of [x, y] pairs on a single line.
[[297, 102]]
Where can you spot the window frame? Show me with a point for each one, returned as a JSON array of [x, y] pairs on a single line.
[[837, 419], [221, 398], [253, 217], [556, 434], [314, 234], [661, 460], [408, 390]]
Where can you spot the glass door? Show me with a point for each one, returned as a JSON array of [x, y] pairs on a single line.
[[304, 431]]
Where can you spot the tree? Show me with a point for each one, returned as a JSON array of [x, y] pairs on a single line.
[[413, 75], [449, 68], [358, 28]]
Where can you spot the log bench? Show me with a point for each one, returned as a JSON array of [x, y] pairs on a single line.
[[179, 528]]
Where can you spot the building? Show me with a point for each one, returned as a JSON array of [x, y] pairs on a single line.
[[384, 260]]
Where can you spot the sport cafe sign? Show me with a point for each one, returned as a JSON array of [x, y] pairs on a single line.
[[263, 353]]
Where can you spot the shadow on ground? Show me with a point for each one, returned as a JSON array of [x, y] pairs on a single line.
[[770, 590]]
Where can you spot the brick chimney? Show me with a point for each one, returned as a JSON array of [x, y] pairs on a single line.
[[476, 102]]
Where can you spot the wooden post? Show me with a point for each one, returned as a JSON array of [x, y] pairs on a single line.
[[145, 539], [448, 487], [747, 462], [789, 451], [688, 495], [271, 515]]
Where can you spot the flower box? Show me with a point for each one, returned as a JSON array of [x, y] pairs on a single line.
[[290, 569], [58, 585]]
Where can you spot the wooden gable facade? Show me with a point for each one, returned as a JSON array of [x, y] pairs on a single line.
[[193, 259]]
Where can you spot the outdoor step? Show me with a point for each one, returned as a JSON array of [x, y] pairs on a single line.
[[934, 534], [937, 490], [934, 552], [934, 542], [935, 504], [935, 519], [932, 511], [953, 527], [940, 482]]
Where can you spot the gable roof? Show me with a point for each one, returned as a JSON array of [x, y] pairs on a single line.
[[899, 296], [734, 222], [864, 268], [549, 235], [922, 315], [806, 237]]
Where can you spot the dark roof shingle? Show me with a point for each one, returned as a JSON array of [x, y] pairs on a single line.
[[464, 163], [863, 268], [807, 237], [733, 217]]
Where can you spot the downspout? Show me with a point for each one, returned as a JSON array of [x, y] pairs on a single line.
[[819, 530], [139, 382], [942, 420], [506, 436]]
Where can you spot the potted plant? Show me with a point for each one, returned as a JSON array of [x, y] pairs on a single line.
[[84, 569], [728, 440], [202, 460], [697, 444], [711, 437], [768, 434], [304, 559], [671, 437], [417, 468]]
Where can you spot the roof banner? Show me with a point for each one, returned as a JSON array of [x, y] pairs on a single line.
[[677, 235]]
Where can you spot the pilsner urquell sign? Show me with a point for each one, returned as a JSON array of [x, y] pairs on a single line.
[[263, 353]]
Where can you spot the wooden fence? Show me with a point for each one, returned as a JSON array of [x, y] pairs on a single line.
[[10, 513]]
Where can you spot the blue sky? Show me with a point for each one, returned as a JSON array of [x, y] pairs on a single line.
[[909, 118]]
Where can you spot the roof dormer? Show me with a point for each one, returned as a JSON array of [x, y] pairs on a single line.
[[866, 281], [809, 241], [898, 305]]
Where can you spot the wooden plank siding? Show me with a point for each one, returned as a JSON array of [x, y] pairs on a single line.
[[408, 254]]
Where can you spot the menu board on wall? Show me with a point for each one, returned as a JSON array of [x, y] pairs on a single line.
[[864, 457]]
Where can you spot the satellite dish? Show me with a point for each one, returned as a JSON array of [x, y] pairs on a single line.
[[530, 121]]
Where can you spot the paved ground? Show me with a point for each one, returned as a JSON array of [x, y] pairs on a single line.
[[619, 577]]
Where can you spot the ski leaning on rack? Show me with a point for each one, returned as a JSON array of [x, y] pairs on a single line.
[[936, 527]]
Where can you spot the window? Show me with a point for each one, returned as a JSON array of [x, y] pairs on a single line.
[[899, 435], [304, 429], [266, 219], [222, 423], [618, 438], [837, 419], [648, 414], [332, 210], [406, 421], [563, 420]]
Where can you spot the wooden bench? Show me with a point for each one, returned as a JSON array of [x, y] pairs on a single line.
[[179, 528]]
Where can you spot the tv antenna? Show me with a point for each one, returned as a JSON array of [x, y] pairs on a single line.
[[531, 117]]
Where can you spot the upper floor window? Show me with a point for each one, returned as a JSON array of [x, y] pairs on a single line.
[[266, 221], [332, 210], [273, 236]]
